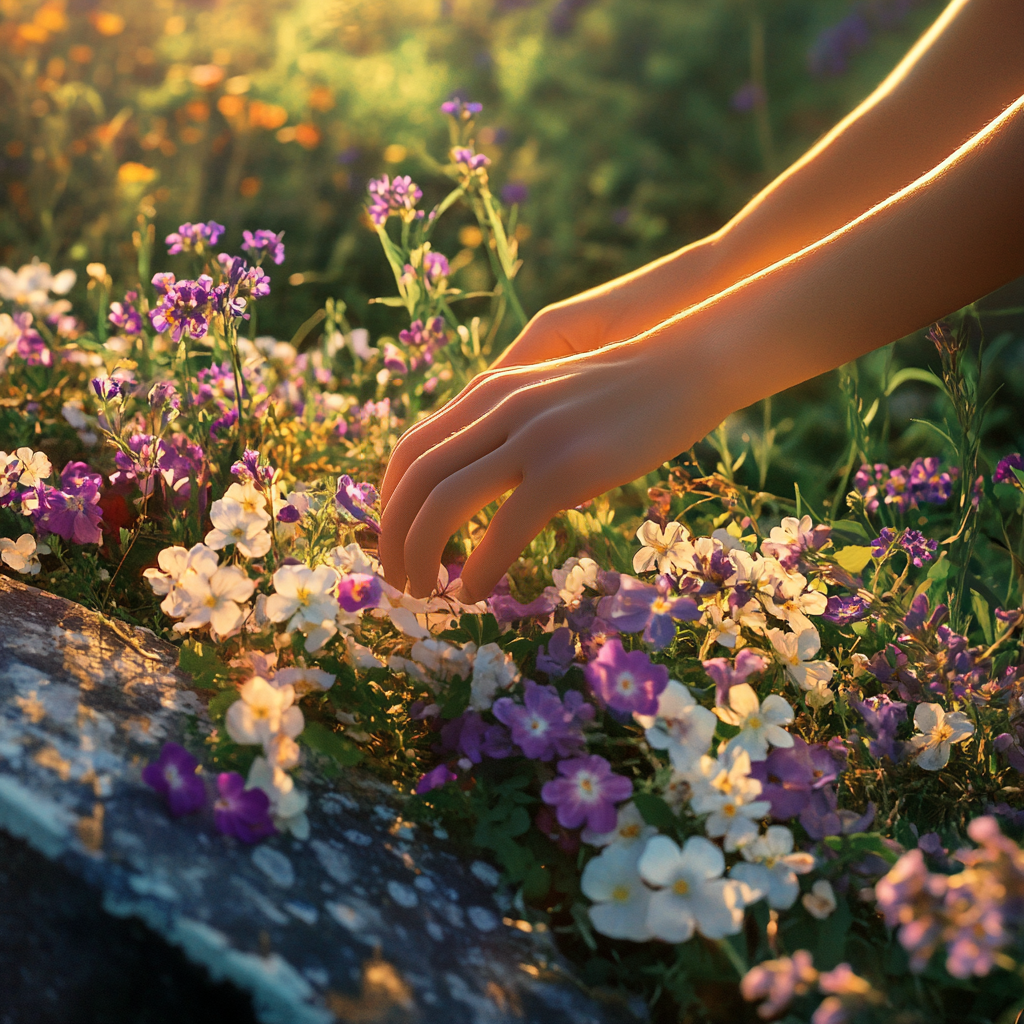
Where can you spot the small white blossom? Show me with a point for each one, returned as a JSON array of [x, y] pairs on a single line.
[[493, 670], [760, 724], [820, 902], [262, 712], [938, 730], [216, 601], [796, 651], [620, 899], [306, 599], [793, 601], [26, 467], [287, 804], [772, 867], [682, 726], [573, 577], [22, 555], [304, 679], [693, 895], [724, 789], [175, 564], [663, 549], [234, 525], [630, 828], [251, 499], [32, 284]]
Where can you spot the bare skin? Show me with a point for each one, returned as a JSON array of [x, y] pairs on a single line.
[[559, 431]]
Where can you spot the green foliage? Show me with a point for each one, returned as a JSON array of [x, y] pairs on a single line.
[[323, 740]]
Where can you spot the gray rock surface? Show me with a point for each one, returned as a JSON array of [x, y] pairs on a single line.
[[365, 921]]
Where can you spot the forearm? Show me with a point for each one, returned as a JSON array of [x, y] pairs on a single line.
[[948, 238], [966, 69]]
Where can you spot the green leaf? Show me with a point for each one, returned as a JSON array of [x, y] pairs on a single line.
[[914, 373], [318, 737], [388, 300], [200, 661], [832, 933], [850, 526], [941, 569], [300, 335], [853, 558], [218, 706], [655, 811], [457, 699]]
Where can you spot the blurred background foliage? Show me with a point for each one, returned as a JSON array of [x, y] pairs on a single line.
[[622, 128]]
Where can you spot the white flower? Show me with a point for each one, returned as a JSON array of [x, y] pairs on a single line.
[[693, 893], [630, 828], [31, 285], [682, 726], [664, 550], [795, 651], [253, 502], [306, 598], [820, 902], [304, 679], [216, 601], [176, 563], [573, 577], [28, 467], [724, 787], [759, 723], [287, 804], [721, 628], [793, 601], [937, 731], [620, 899], [773, 866], [352, 559], [233, 525], [22, 555], [262, 712], [493, 670]]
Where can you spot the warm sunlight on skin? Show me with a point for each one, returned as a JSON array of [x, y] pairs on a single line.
[[846, 281]]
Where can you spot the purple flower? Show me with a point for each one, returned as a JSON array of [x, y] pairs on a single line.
[[289, 514], [507, 609], [640, 606], [260, 244], [125, 317], [240, 812], [422, 341], [173, 776], [358, 591], [75, 517], [883, 542], [435, 779], [472, 737], [164, 395], [224, 423], [907, 896], [242, 283], [1011, 746], [543, 726], [356, 500], [163, 282], [883, 717], [460, 109], [248, 468], [435, 267], [791, 774], [77, 476], [110, 389], [586, 793], [559, 655], [778, 981], [928, 484], [1004, 471], [725, 675], [822, 817], [630, 683], [29, 344], [844, 610], [193, 237], [184, 308], [919, 548], [514, 192], [398, 196], [394, 360], [469, 161], [868, 480]]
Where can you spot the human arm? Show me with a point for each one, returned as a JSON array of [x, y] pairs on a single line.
[[563, 431], [962, 72]]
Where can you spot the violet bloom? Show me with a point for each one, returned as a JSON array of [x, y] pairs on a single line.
[[193, 237], [822, 817], [506, 609], [918, 622], [224, 423], [248, 468], [586, 793], [357, 500], [544, 727], [358, 591], [469, 161], [110, 389], [559, 655], [240, 812], [907, 897], [883, 717], [883, 542], [790, 775], [261, 243], [173, 776], [422, 341], [389, 196], [77, 475], [897, 490], [474, 739], [928, 483], [435, 267], [1004, 471], [288, 514], [515, 192], [1011, 745], [459, 109], [74, 517], [868, 481], [125, 317], [844, 610], [627, 682], [919, 548], [640, 606], [435, 779], [726, 675], [184, 309]]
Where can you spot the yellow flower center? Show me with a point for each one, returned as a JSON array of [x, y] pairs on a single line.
[[680, 887], [941, 733], [620, 893], [629, 831], [754, 722], [729, 810]]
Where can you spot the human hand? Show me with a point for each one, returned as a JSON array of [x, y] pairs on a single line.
[[556, 433]]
